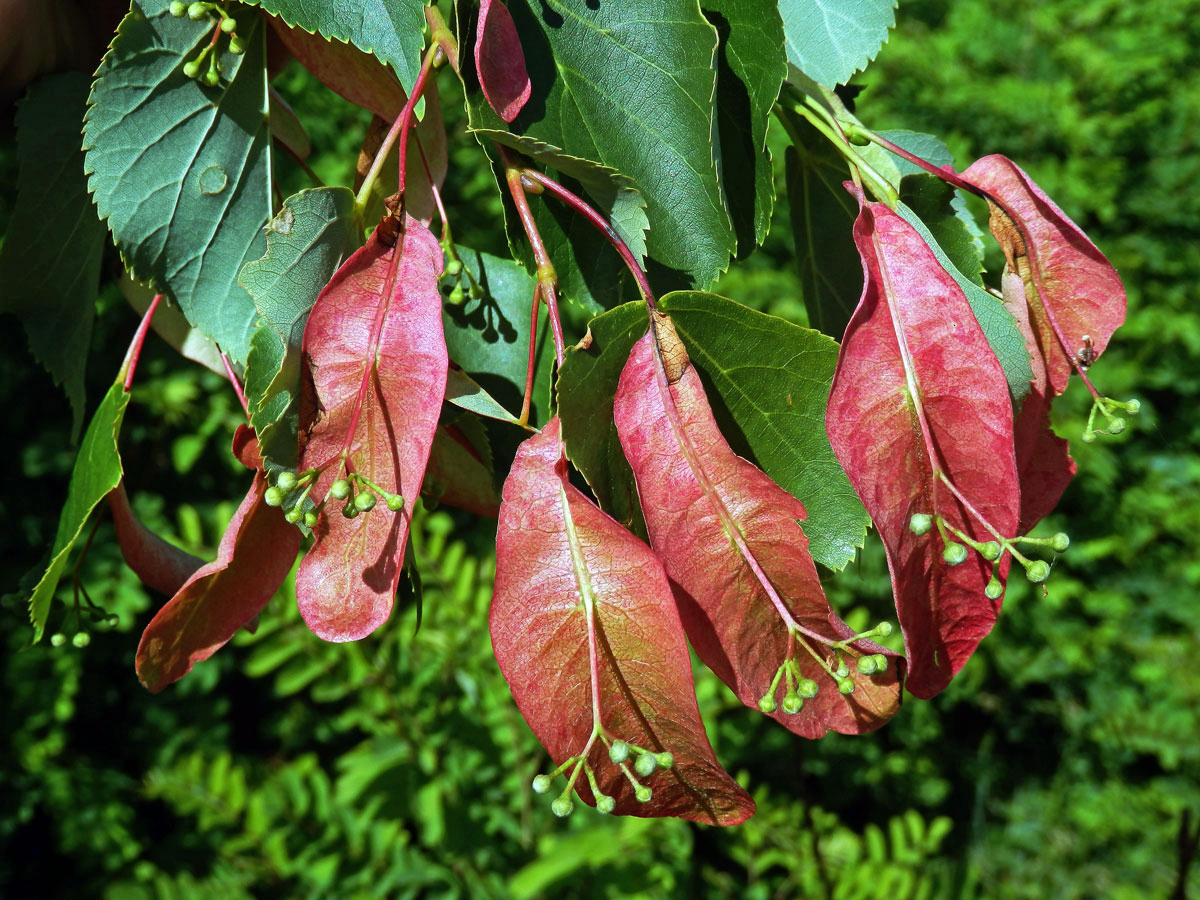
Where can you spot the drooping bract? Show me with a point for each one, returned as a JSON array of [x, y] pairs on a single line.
[[920, 418], [585, 630], [730, 539], [500, 61], [377, 364], [159, 564]]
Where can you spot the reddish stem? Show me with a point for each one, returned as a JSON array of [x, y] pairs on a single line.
[[300, 162], [947, 175], [533, 324], [598, 221], [406, 116], [139, 339], [237, 385]]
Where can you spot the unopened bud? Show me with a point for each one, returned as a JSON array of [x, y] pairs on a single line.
[[1038, 571], [605, 804], [541, 784], [866, 665], [286, 481], [293, 516], [197, 11], [792, 704], [562, 807], [236, 47], [273, 496], [767, 704], [642, 793], [453, 268], [1116, 426], [1060, 542], [920, 523], [395, 502], [310, 519], [212, 78], [350, 511], [994, 589], [954, 554], [178, 9], [645, 765], [364, 501], [57, 639], [228, 25], [845, 685], [191, 69], [990, 551], [618, 752], [340, 489], [806, 688], [81, 639], [664, 759]]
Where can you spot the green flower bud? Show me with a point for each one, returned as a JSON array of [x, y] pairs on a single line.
[[395, 502], [858, 139], [881, 663], [767, 704], [605, 804], [228, 25], [792, 704], [665, 759], [618, 752], [286, 481], [350, 511], [456, 295], [1133, 405], [112, 621], [845, 685], [867, 665], [842, 670], [58, 639], [273, 496], [562, 807], [1038, 571], [81, 639], [920, 523], [212, 78], [365, 501], [453, 268], [990, 551], [806, 688], [645, 765], [541, 784], [954, 554], [340, 489], [642, 793], [1116, 426], [994, 589], [197, 11], [1088, 437], [1060, 542], [178, 9], [236, 47], [293, 516], [883, 629], [191, 69], [310, 519]]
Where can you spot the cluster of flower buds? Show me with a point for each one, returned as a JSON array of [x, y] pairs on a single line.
[[1109, 408], [458, 278], [956, 552], [356, 493], [225, 24], [798, 688], [645, 763]]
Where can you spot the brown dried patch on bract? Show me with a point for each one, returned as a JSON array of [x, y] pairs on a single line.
[[1008, 234], [670, 348]]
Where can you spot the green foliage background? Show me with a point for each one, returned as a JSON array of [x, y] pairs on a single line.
[[1058, 764]]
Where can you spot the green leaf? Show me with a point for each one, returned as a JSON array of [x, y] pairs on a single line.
[[489, 336], [306, 242], [180, 170], [634, 93], [97, 471], [773, 377], [926, 146], [391, 30], [751, 66], [999, 327], [830, 40], [464, 392], [50, 262], [587, 384]]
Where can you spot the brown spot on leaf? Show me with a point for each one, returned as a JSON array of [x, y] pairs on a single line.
[[670, 347]]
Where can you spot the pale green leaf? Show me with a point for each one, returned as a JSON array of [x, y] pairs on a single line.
[[830, 40]]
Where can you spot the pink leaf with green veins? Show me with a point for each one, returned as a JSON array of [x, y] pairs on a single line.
[[586, 632], [500, 61], [256, 553], [377, 365], [1075, 296], [729, 538], [919, 417]]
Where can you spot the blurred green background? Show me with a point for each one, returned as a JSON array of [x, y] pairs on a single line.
[[1057, 765]]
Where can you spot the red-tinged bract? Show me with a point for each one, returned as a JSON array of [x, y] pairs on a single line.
[[729, 538], [500, 61], [160, 565], [257, 551], [377, 363], [919, 399], [584, 627], [1075, 296], [457, 476]]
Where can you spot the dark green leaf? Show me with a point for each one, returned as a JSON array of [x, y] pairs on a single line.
[[926, 146], [933, 201], [181, 171], [50, 263], [830, 40], [97, 471], [773, 377], [464, 392]]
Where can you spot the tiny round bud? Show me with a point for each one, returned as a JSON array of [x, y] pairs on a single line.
[[350, 511], [989, 551], [883, 629], [645, 765], [365, 501], [562, 807], [236, 47], [197, 11], [340, 489], [1060, 542], [867, 665], [845, 685], [456, 295], [112, 621], [1038, 571], [665, 759], [1088, 437], [293, 516], [310, 519], [806, 688], [618, 752], [920, 523], [228, 25], [453, 268], [273, 496], [766, 704], [605, 804], [178, 9], [395, 502], [57, 639], [212, 78], [1116, 426], [858, 139], [642, 793], [81, 639], [994, 589], [1134, 405], [286, 481], [792, 704], [881, 663], [954, 554], [842, 670], [541, 784], [191, 69]]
